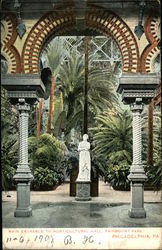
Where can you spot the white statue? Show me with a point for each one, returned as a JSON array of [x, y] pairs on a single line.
[[84, 160]]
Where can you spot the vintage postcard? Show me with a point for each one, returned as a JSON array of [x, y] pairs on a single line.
[[81, 124]]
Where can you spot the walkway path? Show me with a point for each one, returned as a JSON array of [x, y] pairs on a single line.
[[55, 209], [106, 194]]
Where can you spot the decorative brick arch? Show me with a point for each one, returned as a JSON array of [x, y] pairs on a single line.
[[8, 50], [51, 24], [112, 25], [57, 22], [151, 51]]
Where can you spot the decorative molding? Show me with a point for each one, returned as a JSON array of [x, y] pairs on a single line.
[[24, 94], [8, 50], [51, 24], [56, 23], [23, 86], [9, 34], [138, 94], [152, 31], [135, 87]]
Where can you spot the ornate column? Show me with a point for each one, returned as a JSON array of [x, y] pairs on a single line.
[[23, 91], [137, 174], [136, 90], [23, 175]]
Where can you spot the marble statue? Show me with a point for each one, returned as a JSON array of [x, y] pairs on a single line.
[[84, 160]]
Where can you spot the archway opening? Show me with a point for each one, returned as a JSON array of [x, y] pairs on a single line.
[[105, 58], [98, 22]]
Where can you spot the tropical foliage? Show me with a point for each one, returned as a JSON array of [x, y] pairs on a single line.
[[54, 55], [117, 176], [45, 159], [113, 135], [71, 160], [33, 120], [112, 142], [70, 82], [9, 144], [155, 172]]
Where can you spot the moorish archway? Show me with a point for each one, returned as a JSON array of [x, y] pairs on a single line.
[[136, 89], [54, 24]]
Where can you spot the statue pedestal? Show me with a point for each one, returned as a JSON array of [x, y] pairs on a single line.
[[83, 191]]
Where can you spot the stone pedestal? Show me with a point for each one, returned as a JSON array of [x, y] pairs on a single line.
[[137, 201], [83, 191], [23, 200], [137, 175], [23, 174]]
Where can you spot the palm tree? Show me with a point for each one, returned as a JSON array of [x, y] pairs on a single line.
[[9, 140], [46, 79], [54, 55], [70, 81], [113, 135], [151, 119]]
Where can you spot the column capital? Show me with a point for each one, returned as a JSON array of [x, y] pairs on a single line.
[[23, 86], [22, 105], [138, 85], [138, 105]]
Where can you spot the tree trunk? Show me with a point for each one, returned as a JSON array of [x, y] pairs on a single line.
[[50, 106], [85, 120], [39, 118], [150, 134]]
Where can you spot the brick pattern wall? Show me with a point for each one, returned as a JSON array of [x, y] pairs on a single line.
[[8, 38], [52, 24], [152, 32], [105, 22]]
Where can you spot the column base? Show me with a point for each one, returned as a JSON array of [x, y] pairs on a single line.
[[137, 200], [137, 213], [23, 212], [24, 208], [83, 191]]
